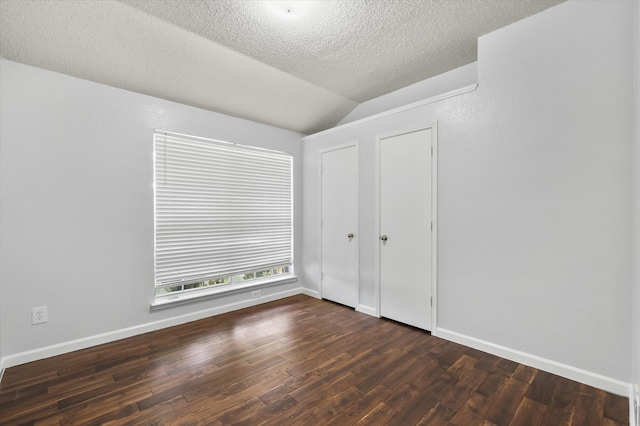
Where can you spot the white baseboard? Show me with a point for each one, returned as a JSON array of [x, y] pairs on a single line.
[[596, 380], [367, 310], [99, 339], [312, 293]]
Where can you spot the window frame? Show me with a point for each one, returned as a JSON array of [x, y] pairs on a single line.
[[233, 284]]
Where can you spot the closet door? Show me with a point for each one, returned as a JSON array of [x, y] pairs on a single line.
[[405, 227], [338, 225]]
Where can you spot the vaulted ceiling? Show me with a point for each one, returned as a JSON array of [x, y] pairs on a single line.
[[299, 65]]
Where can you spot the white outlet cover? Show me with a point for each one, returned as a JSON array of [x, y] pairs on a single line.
[[39, 315]]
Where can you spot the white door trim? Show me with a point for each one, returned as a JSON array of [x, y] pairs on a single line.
[[434, 216], [353, 144]]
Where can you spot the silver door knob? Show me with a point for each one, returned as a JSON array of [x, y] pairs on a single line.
[[350, 235], [383, 238]]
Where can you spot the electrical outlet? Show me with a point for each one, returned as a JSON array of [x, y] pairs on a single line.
[[255, 293], [39, 315]]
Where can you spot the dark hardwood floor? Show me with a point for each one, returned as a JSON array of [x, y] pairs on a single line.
[[296, 361]]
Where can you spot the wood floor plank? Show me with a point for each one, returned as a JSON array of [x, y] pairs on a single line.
[[557, 416], [89, 392], [101, 404], [616, 408], [489, 363], [589, 410], [361, 407], [524, 373], [381, 414], [506, 402], [471, 412], [412, 404], [466, 415], [278, 406], [405, 369], [561, 409], [463, 366], [529, 413], [325, 412], [437, 415], [541, 388], [454, 398], [290, 362], [565, 394], [225, 399], [507, 365], [289, 385], [320, 390], [475, 408], [610, 422], [373, 371], [158, 414]]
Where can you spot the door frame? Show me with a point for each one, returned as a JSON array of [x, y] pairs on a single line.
[[434, 216], [353, 144]]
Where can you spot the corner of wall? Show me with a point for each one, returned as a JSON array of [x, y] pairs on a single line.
[[2, 322], [634, 392], [311, 293]]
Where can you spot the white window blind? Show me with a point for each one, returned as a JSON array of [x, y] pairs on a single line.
[[221, 209]]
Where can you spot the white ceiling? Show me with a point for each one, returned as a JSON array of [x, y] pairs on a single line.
[[299, 65]]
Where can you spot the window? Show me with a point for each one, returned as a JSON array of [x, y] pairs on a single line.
[[223, 214]]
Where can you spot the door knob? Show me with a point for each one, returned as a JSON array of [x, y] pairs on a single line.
[[383, 237], [350, 235]]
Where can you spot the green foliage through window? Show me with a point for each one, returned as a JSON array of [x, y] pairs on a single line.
[[223, 281]]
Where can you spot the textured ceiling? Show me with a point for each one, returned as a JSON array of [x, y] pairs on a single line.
[[300, 65]]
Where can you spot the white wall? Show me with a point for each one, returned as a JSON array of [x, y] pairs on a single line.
[[636, 210], [76, 202], [534, 180], [454, 79]]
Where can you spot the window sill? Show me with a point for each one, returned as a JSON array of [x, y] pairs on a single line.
[[212, 293]]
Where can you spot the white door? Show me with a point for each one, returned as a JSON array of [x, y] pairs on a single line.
[[338, 224], [405, 228]]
